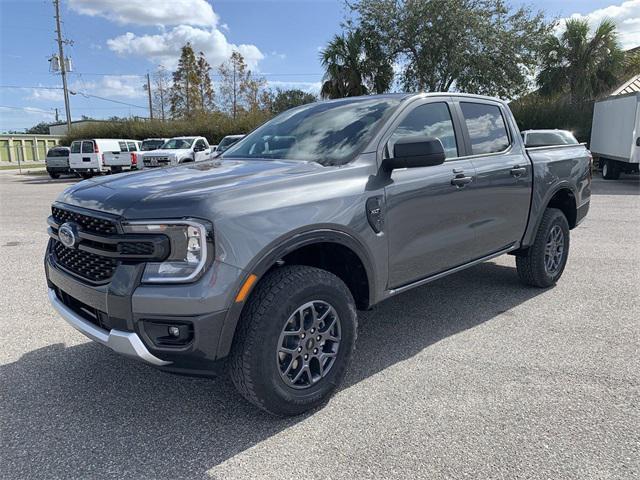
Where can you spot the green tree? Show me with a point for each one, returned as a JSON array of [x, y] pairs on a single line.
[[240, 91], [161, 91], [40, 128], [476, 46], [354, 66], [580, 65], [185, 92], [282, 100], [206, 87]]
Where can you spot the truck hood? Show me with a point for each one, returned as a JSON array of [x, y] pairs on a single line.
[[174, 152], [179, 191]]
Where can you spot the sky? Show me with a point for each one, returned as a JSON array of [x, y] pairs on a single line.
[[116, 42]]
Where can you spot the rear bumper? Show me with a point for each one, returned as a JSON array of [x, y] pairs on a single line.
[[125, 343]]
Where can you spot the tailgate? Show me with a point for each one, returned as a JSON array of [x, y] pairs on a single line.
[[117, 159]]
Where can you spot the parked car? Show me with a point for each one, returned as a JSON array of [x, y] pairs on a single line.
[[615, 135], [57, 161], [149, 144], [87, 156], [126, 157], [227, 142], [545, 138], [178, 150], [260, 260]]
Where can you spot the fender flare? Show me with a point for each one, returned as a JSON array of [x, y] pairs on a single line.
[[532, 227], [280, 248]]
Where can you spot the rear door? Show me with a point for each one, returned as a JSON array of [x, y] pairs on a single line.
[[427, 214], [75, 157], [89, 157], [502, 187]]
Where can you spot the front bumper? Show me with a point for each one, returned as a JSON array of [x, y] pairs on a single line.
[[124, 314], [125, 343]]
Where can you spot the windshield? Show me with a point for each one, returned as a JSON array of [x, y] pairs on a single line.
[[58, 152], [543, 139], [151, 145], [226, 142], [178, 143], [330, 133]]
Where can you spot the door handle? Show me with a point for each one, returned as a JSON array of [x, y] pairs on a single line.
[[518, 171], [460, 180]]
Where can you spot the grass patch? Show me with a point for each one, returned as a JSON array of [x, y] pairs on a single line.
[[25, 166]]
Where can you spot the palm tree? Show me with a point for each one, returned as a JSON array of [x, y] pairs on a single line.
[[580, 66], [353, 66]]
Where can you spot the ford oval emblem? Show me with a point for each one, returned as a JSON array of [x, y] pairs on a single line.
[[67, 235]]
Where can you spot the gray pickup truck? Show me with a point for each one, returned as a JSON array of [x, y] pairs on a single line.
[[257, 261]]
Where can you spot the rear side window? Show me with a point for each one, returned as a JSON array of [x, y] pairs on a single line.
[[487, 130], [431, 120], [75, 147], [87, 147]]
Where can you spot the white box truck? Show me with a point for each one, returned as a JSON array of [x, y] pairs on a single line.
[[615, 134]]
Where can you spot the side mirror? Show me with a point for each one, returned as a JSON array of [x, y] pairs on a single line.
[[411, 152]]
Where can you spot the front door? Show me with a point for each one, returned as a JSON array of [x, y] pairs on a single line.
[[428, 220]]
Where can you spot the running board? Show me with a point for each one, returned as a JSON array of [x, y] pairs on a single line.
[[424, 281]]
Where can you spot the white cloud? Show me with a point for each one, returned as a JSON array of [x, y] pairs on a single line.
[[148, 12], [45, 94], [626, 17], [281, 56], [112, 86], [165, 47]]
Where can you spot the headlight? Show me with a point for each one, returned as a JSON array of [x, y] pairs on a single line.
[[190, 244]]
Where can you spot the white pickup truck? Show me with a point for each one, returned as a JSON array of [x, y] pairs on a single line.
[[126, 157], [178, 150]]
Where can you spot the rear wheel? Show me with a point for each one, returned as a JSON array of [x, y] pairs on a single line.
[[294, 341], [54, 175], [86, 175], [116, 169], [610, 170], [545, 260]]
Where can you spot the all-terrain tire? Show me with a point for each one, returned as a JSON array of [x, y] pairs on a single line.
[[253, 362], [532, 266]]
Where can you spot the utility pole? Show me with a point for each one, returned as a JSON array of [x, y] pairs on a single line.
[[63, 64], [149, 92]]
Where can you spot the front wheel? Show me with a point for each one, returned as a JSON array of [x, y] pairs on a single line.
[[544, 261], [294, 340]]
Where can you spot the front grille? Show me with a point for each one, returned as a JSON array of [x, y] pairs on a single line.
[[87, 265], [88, 223], [136, 248]]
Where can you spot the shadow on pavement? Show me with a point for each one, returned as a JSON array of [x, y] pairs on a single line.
[[627, 184], [83, 411]]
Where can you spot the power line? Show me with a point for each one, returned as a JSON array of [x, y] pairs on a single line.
[[27, 109]]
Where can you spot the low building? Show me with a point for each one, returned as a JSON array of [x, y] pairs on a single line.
[[25, 147], [61, 129]]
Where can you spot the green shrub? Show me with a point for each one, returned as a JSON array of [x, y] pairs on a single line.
[[212, 126], [534, 111]]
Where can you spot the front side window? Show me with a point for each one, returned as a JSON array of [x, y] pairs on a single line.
[[178, 144], [87, 147], [431, 120], [487, 130], [330, 133], [75, 147]]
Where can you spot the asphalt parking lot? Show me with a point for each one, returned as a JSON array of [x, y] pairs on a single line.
[[472, 376]]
